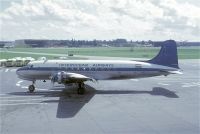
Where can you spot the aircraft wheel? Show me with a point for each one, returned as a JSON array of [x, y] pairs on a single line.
[[31, 88]]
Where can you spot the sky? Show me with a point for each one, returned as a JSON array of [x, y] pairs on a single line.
[[100, 19]]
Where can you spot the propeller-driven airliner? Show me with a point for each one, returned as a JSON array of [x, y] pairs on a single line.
[[79, 71]]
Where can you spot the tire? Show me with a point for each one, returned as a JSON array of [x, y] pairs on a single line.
[[31, 88]]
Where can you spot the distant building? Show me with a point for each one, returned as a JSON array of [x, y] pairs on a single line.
[[6, 44], [157, 43], [2, 45], [19, 43], [120, 42], [30, 43]]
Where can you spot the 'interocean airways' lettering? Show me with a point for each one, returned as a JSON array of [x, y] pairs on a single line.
[[85, 65]]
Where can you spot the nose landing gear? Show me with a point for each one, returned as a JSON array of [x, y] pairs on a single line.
[[31, 88]]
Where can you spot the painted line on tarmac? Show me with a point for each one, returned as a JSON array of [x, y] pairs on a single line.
[[18, 83], [171, 81], [10, 97], [42, 99], [192, 84], [134, 79], [40, 89], [6, 70], [13, 70], [164, 84], [14, 104], [3, 94]]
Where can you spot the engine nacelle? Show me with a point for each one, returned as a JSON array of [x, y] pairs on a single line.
[[60, 77]]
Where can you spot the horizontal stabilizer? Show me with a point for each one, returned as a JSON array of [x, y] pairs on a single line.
[[175, 72]]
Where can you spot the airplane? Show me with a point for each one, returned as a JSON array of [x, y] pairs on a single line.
[[79, 71]]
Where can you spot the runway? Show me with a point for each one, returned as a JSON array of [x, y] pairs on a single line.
[[146, 106]]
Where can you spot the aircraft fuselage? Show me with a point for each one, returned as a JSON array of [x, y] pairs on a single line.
[[97, 69]]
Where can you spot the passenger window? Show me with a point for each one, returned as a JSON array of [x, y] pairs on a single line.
[[29, 65], [138, 66], [69, 69]]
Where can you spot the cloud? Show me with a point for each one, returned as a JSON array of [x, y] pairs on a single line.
[[101, 19], [180, 19]]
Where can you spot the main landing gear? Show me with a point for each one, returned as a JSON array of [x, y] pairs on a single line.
[[31, 88], [81, 88]]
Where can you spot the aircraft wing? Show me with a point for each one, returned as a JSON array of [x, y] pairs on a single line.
[[172, 72], [65, 77], [79, 77]]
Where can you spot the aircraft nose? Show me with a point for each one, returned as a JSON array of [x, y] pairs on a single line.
[[19, 71], [22, 73]]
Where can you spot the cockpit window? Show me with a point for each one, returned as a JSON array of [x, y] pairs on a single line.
[[29, 65]]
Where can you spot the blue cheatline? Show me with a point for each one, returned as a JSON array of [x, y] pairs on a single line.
[[91, 69]]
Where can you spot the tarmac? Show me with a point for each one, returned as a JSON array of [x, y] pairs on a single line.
[[157, 105]]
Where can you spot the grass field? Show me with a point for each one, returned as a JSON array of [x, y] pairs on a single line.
[[136, 52]]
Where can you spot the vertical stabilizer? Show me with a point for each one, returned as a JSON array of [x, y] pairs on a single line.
[[167, 55]]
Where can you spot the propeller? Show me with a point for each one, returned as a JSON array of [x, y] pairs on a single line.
[[54, 78], [57, 77]]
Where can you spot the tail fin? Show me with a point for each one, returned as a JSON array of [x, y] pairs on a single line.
[[167, 55]]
